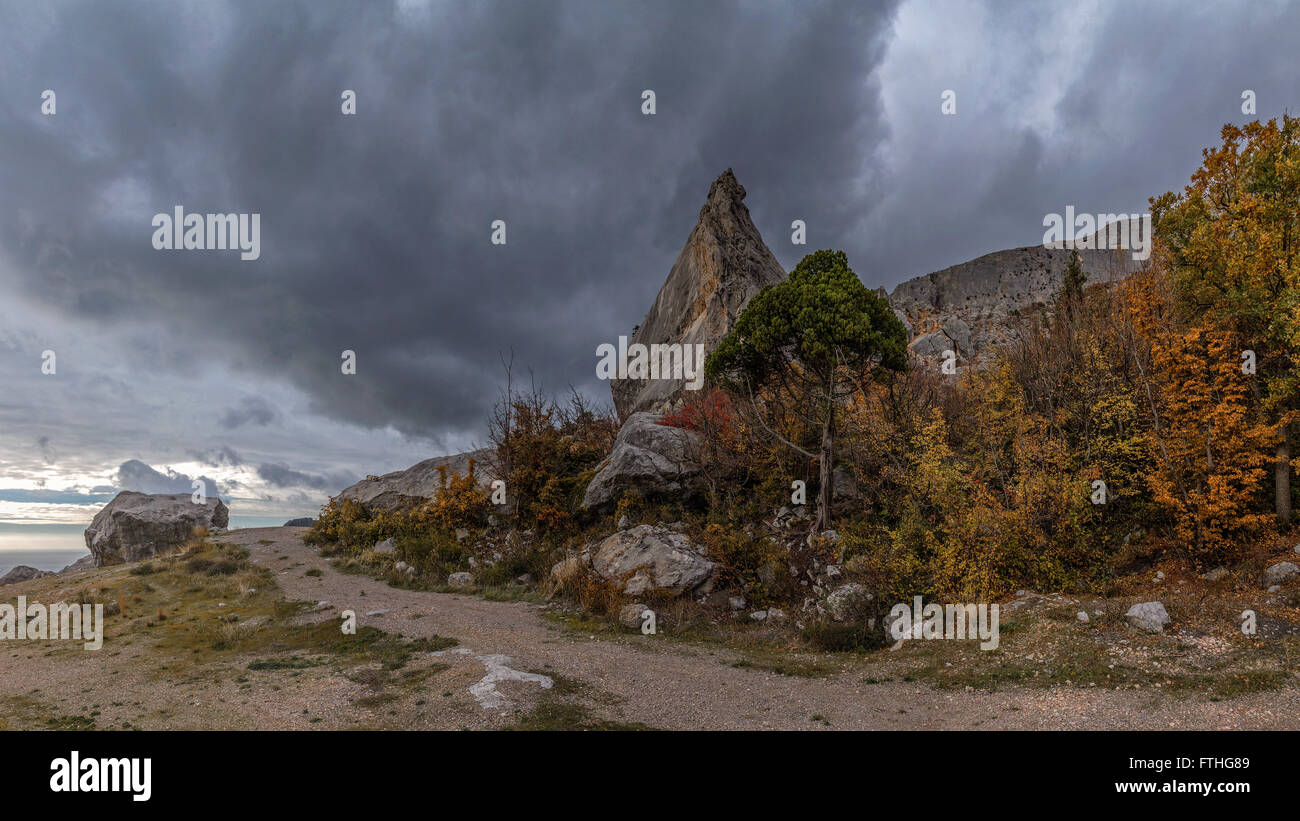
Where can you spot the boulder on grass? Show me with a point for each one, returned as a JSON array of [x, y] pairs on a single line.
[[1149, 616], [136, 526], [653, 559]]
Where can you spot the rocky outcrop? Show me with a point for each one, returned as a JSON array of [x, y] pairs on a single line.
[[304, 522], [23, 573], [86, 562], [418, 483], [647, 458], [137, 526], [972, 307], [723, 265], [653, 559]]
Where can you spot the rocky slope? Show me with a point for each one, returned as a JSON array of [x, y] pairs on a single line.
[[418, 483], [723, 264], [970, 307]]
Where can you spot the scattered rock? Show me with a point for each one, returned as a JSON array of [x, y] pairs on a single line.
[[1280, 572], [850, 602], [1082, 616], [630, 615], [1149, 616], [137, 526]]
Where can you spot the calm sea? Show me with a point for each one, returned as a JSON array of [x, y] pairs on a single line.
[[44, 547]]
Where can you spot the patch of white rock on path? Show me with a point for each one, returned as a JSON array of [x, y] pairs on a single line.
[[498, 670]]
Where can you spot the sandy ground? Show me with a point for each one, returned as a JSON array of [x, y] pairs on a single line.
[[646, 679]]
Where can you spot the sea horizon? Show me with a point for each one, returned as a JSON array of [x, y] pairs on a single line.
[[55, 546]]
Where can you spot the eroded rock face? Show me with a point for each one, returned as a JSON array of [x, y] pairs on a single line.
[[419, 483], [137, 526], [971, 307], [653, 559], [723, 265], [647, 458]]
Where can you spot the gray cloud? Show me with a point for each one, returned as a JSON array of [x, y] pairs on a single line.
[[221, 456], [136, 475], [284, 476], [254, 410]]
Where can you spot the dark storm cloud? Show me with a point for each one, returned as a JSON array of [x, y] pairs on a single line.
[[252, 411], [283, 476], [47, 449], [375, 228], [136, 475]]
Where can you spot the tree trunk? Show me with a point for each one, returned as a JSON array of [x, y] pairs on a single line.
[[826, 475], [1282, 479]]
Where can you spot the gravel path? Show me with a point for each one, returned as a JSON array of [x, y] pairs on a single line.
[[670, 685]]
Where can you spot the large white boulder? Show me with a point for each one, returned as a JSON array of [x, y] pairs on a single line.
[[137, 526]]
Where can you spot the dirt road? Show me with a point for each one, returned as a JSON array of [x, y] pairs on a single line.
[[669, 685]]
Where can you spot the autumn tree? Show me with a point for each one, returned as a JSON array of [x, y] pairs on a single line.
[[1229, 241], [804, 345]]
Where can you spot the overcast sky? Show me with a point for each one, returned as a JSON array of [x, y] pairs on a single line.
[[375, 228]]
